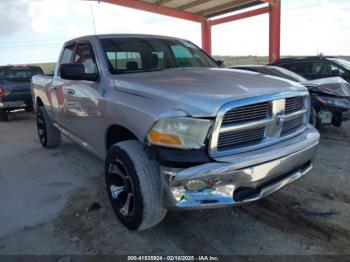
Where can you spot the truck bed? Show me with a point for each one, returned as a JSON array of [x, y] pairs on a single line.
[[40, 86]]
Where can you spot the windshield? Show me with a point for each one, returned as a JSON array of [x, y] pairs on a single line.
[[9, 72], [341, 62], [132, 55]]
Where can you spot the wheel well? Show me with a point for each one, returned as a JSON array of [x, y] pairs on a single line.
[[39, 102], [116, 134]]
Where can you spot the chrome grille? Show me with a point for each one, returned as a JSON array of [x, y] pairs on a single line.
[[246, 113], [240, 138], [292, 125], [294, 104], [256, 122]]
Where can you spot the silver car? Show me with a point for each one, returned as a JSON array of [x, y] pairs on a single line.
[[175, 130]]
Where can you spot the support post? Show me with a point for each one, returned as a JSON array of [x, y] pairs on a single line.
[[275, 31], [206, 36]]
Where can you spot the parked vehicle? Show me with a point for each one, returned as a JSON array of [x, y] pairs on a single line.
[[330, 97], [15, 88], [316, 67], [175, 130]]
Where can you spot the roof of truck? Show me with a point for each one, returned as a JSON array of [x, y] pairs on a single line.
[[102, 36]]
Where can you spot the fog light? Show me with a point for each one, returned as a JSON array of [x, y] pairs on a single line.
[[195, 185]]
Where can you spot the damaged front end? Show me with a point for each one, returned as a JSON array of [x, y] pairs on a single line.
[[330, 98], [241, 178]]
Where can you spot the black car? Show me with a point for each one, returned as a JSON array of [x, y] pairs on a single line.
[[317, 67], [330, 97], [15, 88]]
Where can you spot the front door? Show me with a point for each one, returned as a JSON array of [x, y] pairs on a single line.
[[56, 94], [82, 115]]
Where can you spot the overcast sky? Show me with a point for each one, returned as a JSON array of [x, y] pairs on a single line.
[[32, 31]]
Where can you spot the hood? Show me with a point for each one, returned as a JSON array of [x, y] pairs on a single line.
[[202, 91], [335, 86]]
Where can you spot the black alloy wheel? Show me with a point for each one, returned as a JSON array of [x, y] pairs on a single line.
[[121, 189]]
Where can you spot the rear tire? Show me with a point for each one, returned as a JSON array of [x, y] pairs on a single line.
[[134, 186], [49, 135], [3, 115]]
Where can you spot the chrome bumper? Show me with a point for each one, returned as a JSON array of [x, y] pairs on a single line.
[[242, 178]]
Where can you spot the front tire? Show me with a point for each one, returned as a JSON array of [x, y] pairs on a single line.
[[134, 186], [49, 135]]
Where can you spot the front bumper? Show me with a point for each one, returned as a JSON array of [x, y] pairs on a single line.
[[243, 178]]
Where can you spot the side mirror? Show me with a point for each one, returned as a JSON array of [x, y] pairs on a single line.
[[76, 72], [220, 63]]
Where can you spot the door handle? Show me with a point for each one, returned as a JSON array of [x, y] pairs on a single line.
[[69, 91]]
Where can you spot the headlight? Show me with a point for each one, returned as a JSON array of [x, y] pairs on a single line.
[[180, 132], [332, 101]]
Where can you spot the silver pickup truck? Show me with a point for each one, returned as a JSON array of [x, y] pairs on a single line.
[[175, 130]]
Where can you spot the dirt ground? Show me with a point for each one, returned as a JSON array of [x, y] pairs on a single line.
[[49, 204]]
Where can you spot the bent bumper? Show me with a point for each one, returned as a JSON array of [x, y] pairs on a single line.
[[242, 178]]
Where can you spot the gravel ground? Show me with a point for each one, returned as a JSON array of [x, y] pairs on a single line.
[[54, 202]]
